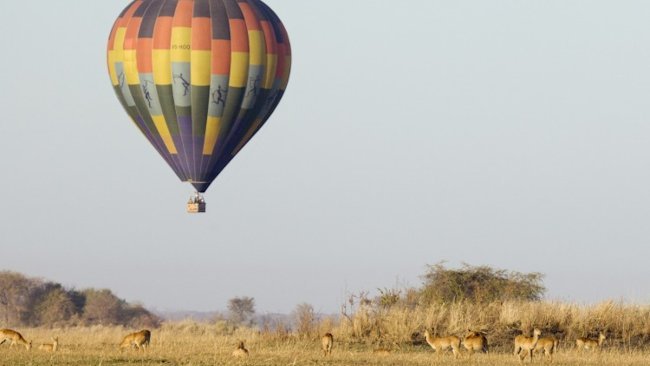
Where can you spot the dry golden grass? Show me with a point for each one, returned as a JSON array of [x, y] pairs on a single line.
[[627, 325], [187, 343]]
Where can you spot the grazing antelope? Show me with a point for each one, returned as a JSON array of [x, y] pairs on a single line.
[[15, 338], [440, 344], [548, 345], [50, 347], [590, 344], [327, 341], [139, 339], [475, 342], [241, 351], [524, 346]]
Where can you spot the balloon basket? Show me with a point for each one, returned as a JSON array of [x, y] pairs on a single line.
[[195, 207], [196, 204]]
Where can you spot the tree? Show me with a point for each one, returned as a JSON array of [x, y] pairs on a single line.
[[55, 306], [479, 284], [304, 319], [241, 309], [102, 307], [15, 297], [138, 316]]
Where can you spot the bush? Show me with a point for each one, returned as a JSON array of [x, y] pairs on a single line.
[[480, 284], [304, 319]]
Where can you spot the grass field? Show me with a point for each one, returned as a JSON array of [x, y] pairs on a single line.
[[193, 345]]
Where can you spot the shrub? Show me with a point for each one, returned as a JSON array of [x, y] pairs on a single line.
[[480, 284]]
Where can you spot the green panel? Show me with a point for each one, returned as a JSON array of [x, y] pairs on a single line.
[[166, 95], [143, 110], [200, 105]]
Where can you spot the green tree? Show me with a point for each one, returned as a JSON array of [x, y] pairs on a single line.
[[479, 284]]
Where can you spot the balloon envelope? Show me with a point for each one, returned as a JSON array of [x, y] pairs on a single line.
[[199, 78]]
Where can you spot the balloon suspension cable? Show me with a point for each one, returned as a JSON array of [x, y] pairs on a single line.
[[196, 204]]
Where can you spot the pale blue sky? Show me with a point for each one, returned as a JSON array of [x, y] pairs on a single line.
[[508, 133]]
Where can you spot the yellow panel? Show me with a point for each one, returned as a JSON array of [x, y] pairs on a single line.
[[131, 67], [111, 68], [119, 44], [201, 68], [181, 44], [271, 69], [248, 136], [287, 71], [163, 130], [211, 133], [162, 68], [257, 46], [238, 69]]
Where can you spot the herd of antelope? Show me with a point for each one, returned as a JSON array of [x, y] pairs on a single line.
[[524, 346], [473, 341]]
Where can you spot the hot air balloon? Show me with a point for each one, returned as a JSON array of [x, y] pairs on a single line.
[[199, 78]]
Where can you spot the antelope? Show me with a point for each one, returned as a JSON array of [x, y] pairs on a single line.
[[475, 341], [15, 338], [241, 351], [50, 347], [591, 344], [327, 341], [548, 345], [138, 339], [524, 346], [440, 344]]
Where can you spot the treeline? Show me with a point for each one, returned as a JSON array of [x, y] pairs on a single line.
[[26, 301]]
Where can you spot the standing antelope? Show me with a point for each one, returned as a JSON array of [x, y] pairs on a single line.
[[326, 343], [241, 351], [50, 347], [590, 344], [475, 342], [440, 344], [524, 346], [548, 345], [15, 338], [138, 339]]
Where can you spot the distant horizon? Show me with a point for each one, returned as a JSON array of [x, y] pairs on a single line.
[[508, 134], [260, 312]]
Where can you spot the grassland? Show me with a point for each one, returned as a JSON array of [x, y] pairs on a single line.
[[195, 344]]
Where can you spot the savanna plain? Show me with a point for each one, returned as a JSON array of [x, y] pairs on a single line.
[[214, 343], [466, 316], [195, 345]]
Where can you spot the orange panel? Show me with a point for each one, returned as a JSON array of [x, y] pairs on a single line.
[[238, 35], [130, 41], [162, 33], [249, 15], [111, 38], [145, 46], [220, 57], [183, 16], [201, 34], [124, 21]]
